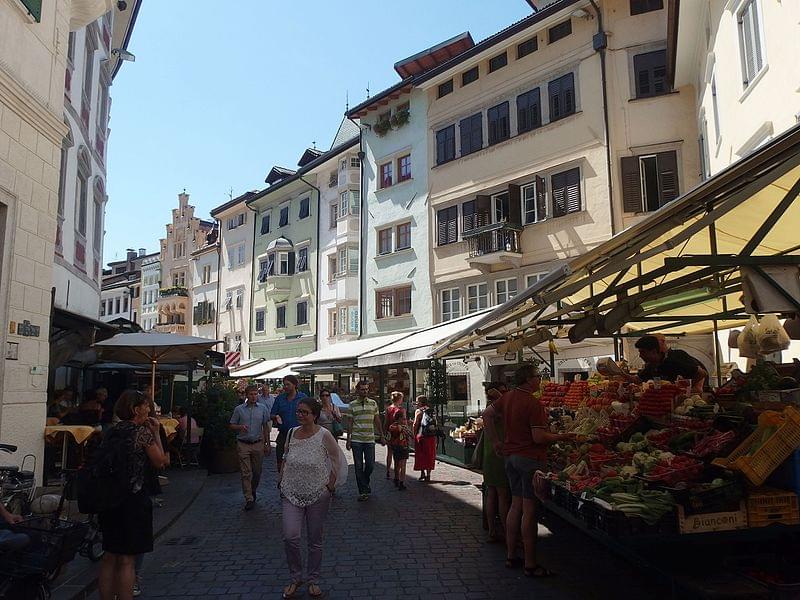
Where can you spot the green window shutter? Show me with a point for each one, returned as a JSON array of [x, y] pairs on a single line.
[[34, 9], [631, 184]]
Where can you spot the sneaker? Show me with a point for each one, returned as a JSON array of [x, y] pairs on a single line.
[[249, 505], [363, 497], [137, 590]]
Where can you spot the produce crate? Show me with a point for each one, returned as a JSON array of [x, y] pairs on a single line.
[[560, 494], [787, 476], [767, 506], [616, 523], [715, 521], [700, 499], [784, 396], [769, 456]]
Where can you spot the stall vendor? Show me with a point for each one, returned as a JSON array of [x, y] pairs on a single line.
[[669, 364]]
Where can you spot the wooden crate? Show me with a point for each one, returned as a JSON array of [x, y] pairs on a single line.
[[707, 522], [766, 506]]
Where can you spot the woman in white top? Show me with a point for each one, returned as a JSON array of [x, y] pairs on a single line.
[[307, 482]]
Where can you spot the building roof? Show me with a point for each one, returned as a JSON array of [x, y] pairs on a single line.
[[277, 174], [231, 203], [309, 155], [346, 132], [125, 30], [434, 56]]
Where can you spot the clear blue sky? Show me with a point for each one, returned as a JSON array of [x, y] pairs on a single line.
[[222, 91]]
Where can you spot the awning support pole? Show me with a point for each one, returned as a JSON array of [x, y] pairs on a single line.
[[616, 347], [189, 375], [552, 365], [773, 218]]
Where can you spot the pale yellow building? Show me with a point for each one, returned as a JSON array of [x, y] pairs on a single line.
[[33, 59]]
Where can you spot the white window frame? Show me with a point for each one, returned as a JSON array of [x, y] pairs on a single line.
[[342, 264], [533, 278], [506, 294], [355, 162], [333, 316], [481, 301], [749, 79], [495, 198], [263, 314], [344, 203], [451, 308], [282, 256], [524, 190], [342, 310], [239, 298]]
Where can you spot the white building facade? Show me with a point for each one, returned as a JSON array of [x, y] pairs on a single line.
[[205, 296], [151, 283]]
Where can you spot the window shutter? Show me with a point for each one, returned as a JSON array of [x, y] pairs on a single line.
[[558, 181], [541, 198], [441, 227], [290, 270], [568, 91], [465, 131], [514, 204], [452, 225], [573, 194], [271, 264], [631, 184], [440, 146], [554, 91], [667, 176], [468, 212], [757, 59], [477, 131], [483, 211]]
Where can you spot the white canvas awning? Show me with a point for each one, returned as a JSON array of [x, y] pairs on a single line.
[[344, 355], [279, 373], [257, 370]]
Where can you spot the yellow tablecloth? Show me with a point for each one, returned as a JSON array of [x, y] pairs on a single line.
[[168, 422], [80, 433]]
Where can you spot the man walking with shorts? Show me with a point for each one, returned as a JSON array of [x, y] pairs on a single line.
[[251, 422], [525, 452]]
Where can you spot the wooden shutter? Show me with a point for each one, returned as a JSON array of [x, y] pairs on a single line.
[[290, 269], [441, 227], [483, 210], [631, 185], [468, 212], [568, 94], [667, 176], [514, 204], [465, 132], [541, 198], [523, 112], [476, 126], [573, 194], [558, 182], [271, 264], [554, 91]]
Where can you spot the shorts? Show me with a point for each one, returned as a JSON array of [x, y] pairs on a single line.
[[520, 470], [400, 452]]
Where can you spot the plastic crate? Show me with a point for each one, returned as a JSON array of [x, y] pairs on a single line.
[[787, 476], [699, 499], [712, 521], [770, 456], [616, 523], [767, 506]]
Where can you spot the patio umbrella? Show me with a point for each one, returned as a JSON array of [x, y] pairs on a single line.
[[154, 348]]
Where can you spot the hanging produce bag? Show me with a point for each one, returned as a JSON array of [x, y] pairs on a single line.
[[747, 341], [771, 335]]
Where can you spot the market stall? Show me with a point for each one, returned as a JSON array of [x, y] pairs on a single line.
[[653, 462]]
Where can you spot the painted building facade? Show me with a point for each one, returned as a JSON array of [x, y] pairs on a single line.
[[205, 297], [185, 234], [151, 284], [236, 223], [33, 60], [121, 293]]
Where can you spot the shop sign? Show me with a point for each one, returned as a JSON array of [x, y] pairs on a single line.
[[25, 329]]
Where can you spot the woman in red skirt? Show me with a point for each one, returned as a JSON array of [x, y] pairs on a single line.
[[425, 430]]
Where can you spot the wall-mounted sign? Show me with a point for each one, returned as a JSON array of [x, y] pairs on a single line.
[[24, 329], [12, 351]]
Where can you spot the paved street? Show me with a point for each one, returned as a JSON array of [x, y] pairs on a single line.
[[426, 542]]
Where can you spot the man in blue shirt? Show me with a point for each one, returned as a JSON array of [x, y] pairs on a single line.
[[250, 421], [284, 413]]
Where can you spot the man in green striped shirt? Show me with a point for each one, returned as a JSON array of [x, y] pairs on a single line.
[[363, 423]]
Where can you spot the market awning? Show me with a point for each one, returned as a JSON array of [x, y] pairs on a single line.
[[280, 373], [256, 370], [679, 270], [344, 355]]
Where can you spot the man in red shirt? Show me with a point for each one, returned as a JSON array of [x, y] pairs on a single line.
[[525, 451]]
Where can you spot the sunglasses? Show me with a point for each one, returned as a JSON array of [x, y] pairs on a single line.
[[303, 413]]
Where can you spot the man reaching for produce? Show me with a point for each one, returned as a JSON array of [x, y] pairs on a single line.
[[668, 364], [525, 450]]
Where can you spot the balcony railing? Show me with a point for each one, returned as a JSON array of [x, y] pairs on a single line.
[[174, 291], [179, 328], [502, 238]]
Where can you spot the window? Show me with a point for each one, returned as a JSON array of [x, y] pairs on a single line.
[[562, 97], [505, 290], [302, 313], [98, 226], [651, 73], [343, 162], [82, 208], [125, 304], [393, 303], [283, 263], [703, 143], [447, 226], [445, 88], [499, 127], [334, 215], [404, 168], [179, 279], [178, 250], [206, 277], [471, 130], [715, 107], [280, 317], [355, 162], [352, 264], [332, 267], [355, 201], [203, 313], [386, 175], [468, 77], [529, 111], [116, 305], [236, 256], [271, 264], [302, 260], [385, 241], [639, 7], [103, 308], [527, 47], [228, 300], [342, 320], [566, 188], [284, 218], [558, 32], [343, 260], [88, 69], [531, 279], [477, 297], [750, 47], [304, 208], [445, 144], [260, 318], [451, 304], [649, 182], [333, 322], [498, 62], [534, 202], [500, 207], [265, 224], [263, 269], [333, 179], [239, 298], [237, 221], [403, 236]]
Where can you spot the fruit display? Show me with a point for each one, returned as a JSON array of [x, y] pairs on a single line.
[[658, 401], [553, 394], [577, 394]]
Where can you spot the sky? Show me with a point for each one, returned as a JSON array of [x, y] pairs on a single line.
[[222, 91]]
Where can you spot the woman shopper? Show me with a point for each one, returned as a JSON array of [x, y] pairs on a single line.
[[307, 483], [399, 436], [128, 528], [498, 499], [424, 443], [394, 409], [329, 416]]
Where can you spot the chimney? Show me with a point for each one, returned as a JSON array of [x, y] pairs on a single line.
[[142, 251], [131, 254]]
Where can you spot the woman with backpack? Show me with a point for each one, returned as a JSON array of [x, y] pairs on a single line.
[[425, 434], [128, 526]]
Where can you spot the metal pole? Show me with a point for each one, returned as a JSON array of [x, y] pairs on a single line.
[[188, 439]]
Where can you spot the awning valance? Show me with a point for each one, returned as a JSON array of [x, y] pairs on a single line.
[[345, 354], [256, 370]]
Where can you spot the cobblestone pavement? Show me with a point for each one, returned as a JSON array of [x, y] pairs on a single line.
[[426, 542]]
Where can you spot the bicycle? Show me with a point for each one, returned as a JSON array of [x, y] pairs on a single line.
[[92, 545], [17, 484]]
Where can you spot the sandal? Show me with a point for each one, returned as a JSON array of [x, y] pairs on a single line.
[[514, 563], [314, 591], [538, 572], [290, 591]]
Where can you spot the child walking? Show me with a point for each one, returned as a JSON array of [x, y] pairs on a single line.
[[400, 434]]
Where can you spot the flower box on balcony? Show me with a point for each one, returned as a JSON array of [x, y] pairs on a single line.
[[173, 291]]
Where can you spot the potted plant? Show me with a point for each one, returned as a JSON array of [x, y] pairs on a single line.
[[212, 409], [382, 127], [399, 118]]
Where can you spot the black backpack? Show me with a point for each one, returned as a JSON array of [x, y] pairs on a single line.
[[428, 424], [104, 482]]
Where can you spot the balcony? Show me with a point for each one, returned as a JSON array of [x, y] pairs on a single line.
[[494, 244], [276, 283], [178, 328], [173, 291]]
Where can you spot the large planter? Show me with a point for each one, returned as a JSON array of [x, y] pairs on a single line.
[[223, 460]]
